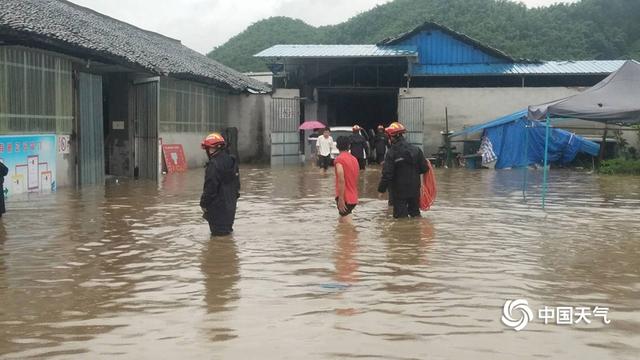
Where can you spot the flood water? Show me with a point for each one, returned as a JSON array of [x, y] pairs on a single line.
[[129, 271]]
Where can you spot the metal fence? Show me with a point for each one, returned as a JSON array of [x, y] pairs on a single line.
[[91, 154], [35, 92], [145, 115], [411, 115], [285, 137], [188, 107]]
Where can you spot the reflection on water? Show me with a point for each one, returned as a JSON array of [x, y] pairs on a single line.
[[220, 268], [129, 270], [346, 247]]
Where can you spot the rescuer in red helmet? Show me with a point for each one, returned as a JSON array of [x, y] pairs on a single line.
[[358, 146], [403, 165], [221, 186]]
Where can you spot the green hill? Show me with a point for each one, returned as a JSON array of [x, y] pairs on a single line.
[[589, 29]]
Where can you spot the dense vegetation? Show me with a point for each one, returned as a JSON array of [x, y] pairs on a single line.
[[589, 29], [620, 166]]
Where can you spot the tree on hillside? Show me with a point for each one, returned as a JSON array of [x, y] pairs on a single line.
[[589, 29]]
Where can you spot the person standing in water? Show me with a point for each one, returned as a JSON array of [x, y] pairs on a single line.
[[4, 171], [403, 165], [380, 143], [347, 172], [358, 146], [324, 144], [221, 186]]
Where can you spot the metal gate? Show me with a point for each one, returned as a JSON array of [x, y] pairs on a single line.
[[411, 115], [91, 144], [285, 137], [145, 115]]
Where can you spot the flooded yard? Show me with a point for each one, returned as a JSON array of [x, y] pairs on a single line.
[[129, 271]]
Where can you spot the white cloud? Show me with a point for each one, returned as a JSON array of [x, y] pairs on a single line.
[[203, 24]]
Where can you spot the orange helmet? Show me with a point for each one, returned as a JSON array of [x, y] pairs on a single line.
[[212, 140], [356, 128], [395, 129]]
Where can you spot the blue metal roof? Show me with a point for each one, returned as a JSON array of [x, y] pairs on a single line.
[[337, 51], [439, 44], [594, 67], [437, 47]]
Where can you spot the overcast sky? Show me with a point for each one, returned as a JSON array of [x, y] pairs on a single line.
[[204, 24]]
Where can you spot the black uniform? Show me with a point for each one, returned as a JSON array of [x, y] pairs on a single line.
[[358, 148], [221, 192], [380, 143], [3, 172], [401, 171]]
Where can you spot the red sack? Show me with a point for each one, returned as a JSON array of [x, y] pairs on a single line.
[[428, 189]]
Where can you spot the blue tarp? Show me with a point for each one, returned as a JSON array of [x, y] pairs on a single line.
[[509, 135]]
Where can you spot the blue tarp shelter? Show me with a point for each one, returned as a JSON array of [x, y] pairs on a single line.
[[519, 142], [613, 100]]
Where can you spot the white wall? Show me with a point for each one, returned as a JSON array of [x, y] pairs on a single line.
[[471, 106], [251, 113], [65, 168], [246, 112]]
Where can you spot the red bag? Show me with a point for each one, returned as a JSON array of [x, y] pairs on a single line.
[[428, 190]]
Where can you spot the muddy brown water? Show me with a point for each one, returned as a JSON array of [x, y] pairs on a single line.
[[129, 271]]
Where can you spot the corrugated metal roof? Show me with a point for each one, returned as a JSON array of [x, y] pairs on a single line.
[[542, 68], [337, 51], [443, 44]]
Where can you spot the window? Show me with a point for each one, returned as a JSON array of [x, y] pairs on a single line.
[[188, 107], [35, 92]]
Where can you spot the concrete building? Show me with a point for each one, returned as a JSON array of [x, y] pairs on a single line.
[[110, 93], [426, 78]]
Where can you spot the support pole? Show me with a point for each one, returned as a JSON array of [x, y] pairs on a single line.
[[526, 161], [603, 147], [546, 162], [447, 140]]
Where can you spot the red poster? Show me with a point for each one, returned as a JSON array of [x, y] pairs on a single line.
[[174, 159]]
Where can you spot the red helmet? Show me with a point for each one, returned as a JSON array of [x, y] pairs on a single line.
[[212, 140], [395, 129], [356, 128]]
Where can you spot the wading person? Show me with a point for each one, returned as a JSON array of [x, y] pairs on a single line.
[[403, 165], [323, 149], [347, 169], [221, 186], [380, 142], [3, 172], [358, 146]]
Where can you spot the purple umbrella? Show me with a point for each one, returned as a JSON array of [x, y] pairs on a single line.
[[311, 125]]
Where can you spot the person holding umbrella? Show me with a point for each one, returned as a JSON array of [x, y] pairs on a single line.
[[323, 160]]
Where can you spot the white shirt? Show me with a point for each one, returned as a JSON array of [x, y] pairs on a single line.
[[324, 145]]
